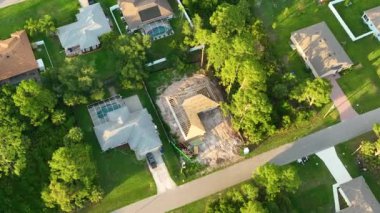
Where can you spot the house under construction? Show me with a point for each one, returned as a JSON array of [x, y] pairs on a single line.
[[191, 108], [186, 105]]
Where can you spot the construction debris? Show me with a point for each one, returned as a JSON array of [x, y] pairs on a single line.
[[191, 108]]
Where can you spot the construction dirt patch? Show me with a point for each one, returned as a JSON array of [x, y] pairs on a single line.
[[202, 129]]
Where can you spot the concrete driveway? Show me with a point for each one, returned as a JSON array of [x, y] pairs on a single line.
[[334, 165], [161, 175], [6, 3], [341, 102]]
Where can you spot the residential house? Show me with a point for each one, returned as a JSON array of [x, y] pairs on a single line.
[[372, 19], [149, 16], [17, 61], [86, 3], [83, 35], [119, 121], [358, 197], [187, 114], [320, 50]]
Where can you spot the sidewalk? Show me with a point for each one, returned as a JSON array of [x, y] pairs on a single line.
[[334, 165]]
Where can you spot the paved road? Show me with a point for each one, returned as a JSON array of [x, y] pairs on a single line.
[[202, 187], [242, 171], [6, 3], [329, 137], [341, 102]]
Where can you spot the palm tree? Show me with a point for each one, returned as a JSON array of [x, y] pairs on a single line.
[[46, 25], [31, 26]]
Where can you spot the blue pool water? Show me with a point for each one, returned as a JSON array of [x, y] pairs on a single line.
[[106, 109], [158, 31]]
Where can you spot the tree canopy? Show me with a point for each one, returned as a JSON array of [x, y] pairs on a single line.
[[277, 180], [314, 93], [251, 111], [77, 81], [12, 150], [131, 51], [238, 200], [42, 25], [235, 47], [369, 152], [72, 179], [9, 113], [34, 101]]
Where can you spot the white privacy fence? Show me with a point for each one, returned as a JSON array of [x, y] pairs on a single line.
[[343, 23]]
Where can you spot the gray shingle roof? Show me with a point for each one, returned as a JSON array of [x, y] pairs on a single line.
[[361, 197], [321, 48]]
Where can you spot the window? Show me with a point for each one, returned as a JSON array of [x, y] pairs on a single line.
[[366, 17]]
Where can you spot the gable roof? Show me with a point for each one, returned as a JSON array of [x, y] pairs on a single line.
[[138, 12], [320, 47], [361, 197], [16, 56], [374, 16], [91, 23], [192, 107], [126, 123]]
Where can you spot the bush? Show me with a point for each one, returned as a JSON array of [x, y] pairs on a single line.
[[192, 169]]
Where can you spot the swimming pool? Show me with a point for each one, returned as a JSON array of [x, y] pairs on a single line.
[[106, 109], [158, 31]]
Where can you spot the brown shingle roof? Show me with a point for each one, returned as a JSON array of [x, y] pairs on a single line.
[[16, 56], [138, 12], [321, 48], [374, 15]]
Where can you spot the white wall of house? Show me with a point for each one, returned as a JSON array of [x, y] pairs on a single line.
[[373, 28]]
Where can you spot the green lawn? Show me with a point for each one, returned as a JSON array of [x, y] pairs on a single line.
[[346, 153], [352, 15], [40, 53], [314, 195], [361, 84], [13, 17]]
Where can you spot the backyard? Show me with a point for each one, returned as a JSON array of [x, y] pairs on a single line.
[[314, 195], [361, 83]]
